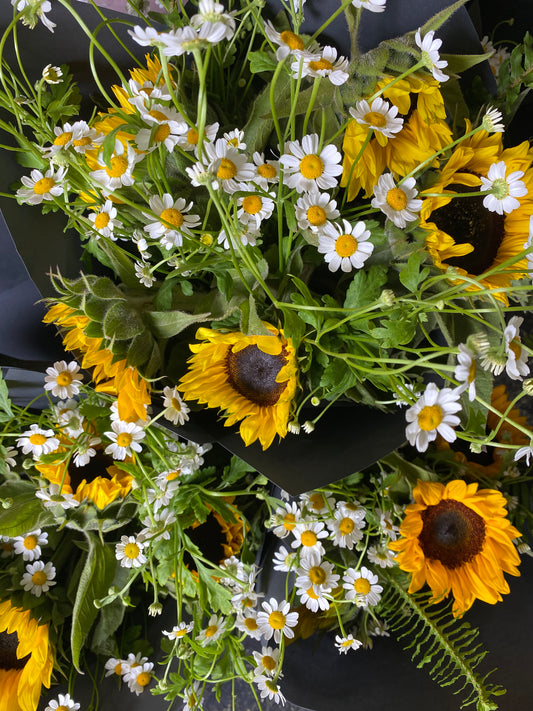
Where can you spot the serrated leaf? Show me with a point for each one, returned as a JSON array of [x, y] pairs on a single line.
[[440, 17], [262, 62], [395, 331], [366, 286], [165, 324], [411, 275]]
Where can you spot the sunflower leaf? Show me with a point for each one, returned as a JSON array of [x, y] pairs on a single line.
[[5, 402], [21, 511]]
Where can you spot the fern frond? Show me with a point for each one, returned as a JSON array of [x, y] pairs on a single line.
[[448, 646]]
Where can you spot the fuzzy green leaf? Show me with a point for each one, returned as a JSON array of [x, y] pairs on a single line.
[[440, 17], [251, 324], [24, 512], [122, 323], [165, 324], [5, 402], [262, 62]]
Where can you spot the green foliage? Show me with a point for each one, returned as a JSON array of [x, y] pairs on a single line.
[[515, 77], [21, 511]]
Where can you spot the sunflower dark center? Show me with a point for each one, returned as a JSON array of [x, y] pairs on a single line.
[[8, 652], [467, 220], [451, 533], [95, 467], [253, 373]]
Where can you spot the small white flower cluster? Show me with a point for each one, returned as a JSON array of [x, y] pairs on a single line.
[[135, 670], [63, 703], [39, 576]]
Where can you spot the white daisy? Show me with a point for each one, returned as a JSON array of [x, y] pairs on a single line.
[[315, 577], [386, 524], [316, 502], [29, 545], [285, 519], [275, 620], [381, 556], [325, 64], [432, 414], [215, 627], [113, 666], [179, 631], [38, 578], [397, 202], [211, 12], [52, 497], [307, 537], [36, 9], [37, 441], [63, 379], [85, 450], [254, 208], [232, 168], [143, 272], [247, 622], [266, 171], [7, 547], [235, 139], [189, 141], [269, 688], [498, 56], [347, 527], [132, 661], [528, 246], [492, 121], [186, 39], [146, 36], [344, 644], [8, 455], [362, 587], [125, 439], [176, 411], [381, 117], [39, 186], [266, 661], [246, 235], [170, 126], [159, 525], [307, 166], [235, 571], [288, 42], [346, 246], [201, 174], [524, 453], [143, 95], [430, 54], [284, 560], [465, 371], [119, 172], [129, 552], [314, 210], [139, 677], [192, 696], [52, 75], [504, 191], [104, 220], [372, 5], [516, 366], [63, 703]]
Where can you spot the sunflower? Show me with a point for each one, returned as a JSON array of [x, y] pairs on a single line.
[[26, 659], [424, 132], [217, 537], [457, 539], [462, 233], [252, 378], [152, 75], [101, 480]]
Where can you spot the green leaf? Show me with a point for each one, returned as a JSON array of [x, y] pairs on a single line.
[[458, 63], [165, 324], [24, 513], [5, 402], [216, 597], [338, 377], [104, 288], [411, 276], [163, 297], [140, 349], [122, 323], [251, 324], [395, 331], [440, 17], [121, 264], [95, 579], [262, 62], [366, 287]]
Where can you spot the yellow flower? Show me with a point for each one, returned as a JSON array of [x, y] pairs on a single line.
[[153, 74], [462, 233], [424, 132], [457, 540], [252, 378], [217, 537], [26, 659]]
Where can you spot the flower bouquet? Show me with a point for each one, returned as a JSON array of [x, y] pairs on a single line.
[[320, 233]]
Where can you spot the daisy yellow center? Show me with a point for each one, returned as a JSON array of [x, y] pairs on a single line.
[[397, 199], [118, 669], [516, 348], [252, 204], [266, 171], [192, 136], [346, 642], [316, 502], [62, 708], [451, 533], [346, 245], [234, 142], [362, 586], [250, 624], [39, 578], [131, 550], [276, 620], [308, 539], [317, 575], [158, 115], [272, 686], [289, 522], [124, 439], [346, 526], [312, 594], [63, 138], [472, 372], [43, 186], [316, 215], [268, 662], [320, 64], [180, 633], [64, 378], [37, 438], [119, 165], [176, 405], [143, 679], [430, 417], [291, 40], [311, 166], [227, 169], [172, 216], [162, 133], [172, 475], [30, 542], [211, 631], [85, 141], [253, 373], [375, 118], [101, 220], [247, 602], [9, 642], [206, 240]]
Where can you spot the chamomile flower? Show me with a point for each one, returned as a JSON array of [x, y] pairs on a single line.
[[119, 172], [432, 414], [189, 141], [215, 627], [63, 379], [64, 703], [174, 222], [266, 171], [132, 661], [104, 221], [465, 371], [347, 527], [129, 552], [143, 272], [158, 526], [285, 519], [179, 631], [275, 620], [524, 453], [386, 525], [315, 577], [232, 167], [170, 126], [269, 688], [37, 441], [430, 54], [235, 571], [35, 10], [492, 121], [138, 677], [246, 235], [504, 190], [38, 578], [397, 202], [498, 55], [7, 547], [516, 366], [254, 208], [113, 666], [176, 411], [307, 537], [381, 556], [315, 502], [186, 39], [52, 74], [380, 116], [125, 439], [284, 560], [344, 644], [146, 36], [362, 587], [192, 696], [266, 661], [8, 454], [288, 42], [85, 450], [306, 165], [314, 210], [246, 621], [212, 13], [51, 497], [29, 545], [345, 246], [235, 139], [325, 64], [42, 186]]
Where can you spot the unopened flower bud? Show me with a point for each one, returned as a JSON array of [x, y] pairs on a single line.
[[478, 343], [315, 401], [527, 386], [387, 297], [294, 427], [155, 609], [308, 427]]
